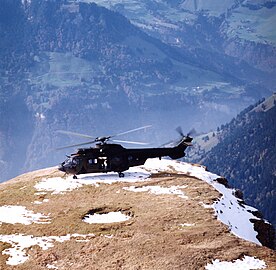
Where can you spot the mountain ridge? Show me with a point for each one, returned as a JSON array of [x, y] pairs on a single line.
[[242, 29]]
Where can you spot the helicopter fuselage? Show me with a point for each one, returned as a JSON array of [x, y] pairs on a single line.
[[114, 157]]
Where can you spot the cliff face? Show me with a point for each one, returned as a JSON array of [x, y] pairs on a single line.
[[164, 215]]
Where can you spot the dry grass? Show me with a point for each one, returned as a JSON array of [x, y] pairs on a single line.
[[152, 239]]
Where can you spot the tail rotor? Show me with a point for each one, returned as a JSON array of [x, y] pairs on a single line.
[[179, 130]]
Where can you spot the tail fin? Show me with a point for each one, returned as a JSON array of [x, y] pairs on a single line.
[[185, 141], [178, 151]]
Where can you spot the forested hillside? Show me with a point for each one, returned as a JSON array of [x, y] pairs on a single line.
[[79, 66], [246, 155]]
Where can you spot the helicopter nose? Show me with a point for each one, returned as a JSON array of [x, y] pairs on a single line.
[[61, 168]]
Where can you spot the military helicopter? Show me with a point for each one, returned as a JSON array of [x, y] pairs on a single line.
[[107, 157]]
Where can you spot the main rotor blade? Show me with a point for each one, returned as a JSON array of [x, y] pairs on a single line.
[[74, 145], [132, 130], [131, 142], [168, 144], [75, 134]]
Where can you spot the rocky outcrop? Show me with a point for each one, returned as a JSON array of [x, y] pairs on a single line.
[[266, 232]]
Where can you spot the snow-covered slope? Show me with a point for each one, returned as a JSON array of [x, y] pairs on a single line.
[[144, 181]]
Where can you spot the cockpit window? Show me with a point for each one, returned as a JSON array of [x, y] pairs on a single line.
[[71, 161], [76, 161], [68, 161]]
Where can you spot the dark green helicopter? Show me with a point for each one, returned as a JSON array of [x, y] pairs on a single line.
[[107, 157]]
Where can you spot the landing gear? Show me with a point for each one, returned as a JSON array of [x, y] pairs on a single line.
[[121, 174], [75, 177]]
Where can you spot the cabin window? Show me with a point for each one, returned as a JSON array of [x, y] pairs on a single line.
[[92, 161]]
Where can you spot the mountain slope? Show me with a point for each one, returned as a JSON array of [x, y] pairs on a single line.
[[165, 221], [244, 152], [84, 68], [242, 29]]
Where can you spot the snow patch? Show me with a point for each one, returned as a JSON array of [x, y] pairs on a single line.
[[21, 242], [40, 202], [159, 190], [108, 236], [110, 217], [51, 266], [19, 214], [187, 224], [58, 185], [37, 202], [18, 254], [247, 263], [206, 206]]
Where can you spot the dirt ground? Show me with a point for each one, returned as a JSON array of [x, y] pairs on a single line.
[[163, 232]]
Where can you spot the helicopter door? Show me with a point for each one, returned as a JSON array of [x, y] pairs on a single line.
[[92, 163], [99, 164], [103, 163]]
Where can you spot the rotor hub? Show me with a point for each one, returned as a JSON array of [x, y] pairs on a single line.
[[103, 139]]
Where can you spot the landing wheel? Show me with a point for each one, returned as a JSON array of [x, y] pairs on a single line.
[[121, 174], [75, 177]]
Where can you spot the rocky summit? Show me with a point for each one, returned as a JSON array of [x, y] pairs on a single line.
[[163, 215]]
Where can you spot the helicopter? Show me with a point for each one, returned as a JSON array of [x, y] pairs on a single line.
[[112, 157]]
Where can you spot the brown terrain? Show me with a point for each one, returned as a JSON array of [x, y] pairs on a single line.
[[164, 231]]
